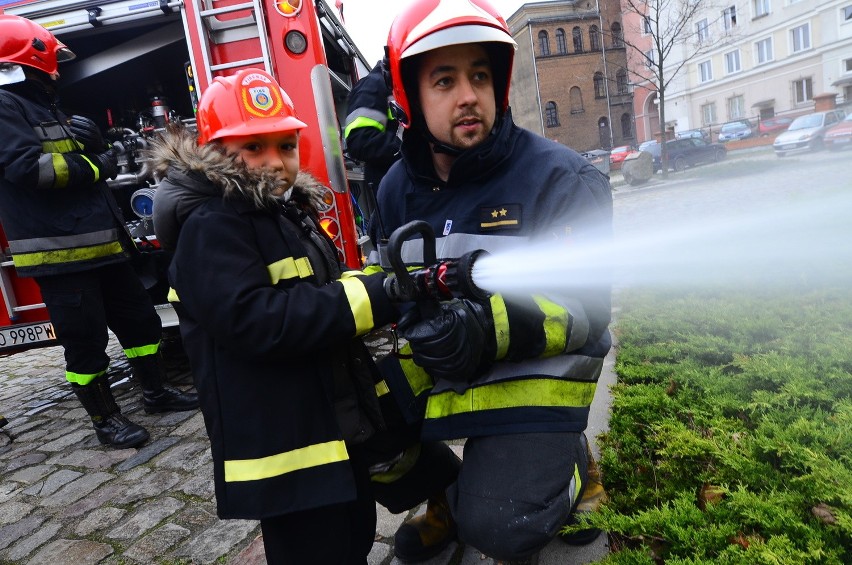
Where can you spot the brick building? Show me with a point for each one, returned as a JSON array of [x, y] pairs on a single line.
[[570, 81]]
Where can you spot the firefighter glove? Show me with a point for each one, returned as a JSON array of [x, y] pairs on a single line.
[[107, 164], [455, 344], [87, 133]]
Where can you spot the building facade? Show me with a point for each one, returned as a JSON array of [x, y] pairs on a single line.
[[570, 81]]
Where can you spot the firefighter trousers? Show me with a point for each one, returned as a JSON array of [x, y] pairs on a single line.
[[83, 305]]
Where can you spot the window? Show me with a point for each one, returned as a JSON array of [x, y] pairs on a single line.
[[761, 8], [763, 49], [577, 36], [543, 43], [594, 38], [732, 62], [708, 113], [621, 81], [702, 29], [649, 58], [847, 65], [626, 126], [729, 18], [600, 87], [617, 36], [803, 90], [736, 107], [561, 45], [646, 28], [705, 71], [576, 97], [847, 14], [801, 37], [551, 114]]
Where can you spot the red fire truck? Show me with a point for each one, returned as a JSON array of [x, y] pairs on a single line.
[[143, 63]]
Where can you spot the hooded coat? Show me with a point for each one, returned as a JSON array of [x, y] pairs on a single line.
[[269, 323]]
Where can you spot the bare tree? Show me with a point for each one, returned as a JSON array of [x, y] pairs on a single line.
[[665, 40]]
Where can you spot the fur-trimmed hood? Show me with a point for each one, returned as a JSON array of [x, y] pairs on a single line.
[[193, 174]]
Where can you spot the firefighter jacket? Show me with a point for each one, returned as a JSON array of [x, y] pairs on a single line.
[[370, 131], [514, 189], [58, 215], [270, 325]]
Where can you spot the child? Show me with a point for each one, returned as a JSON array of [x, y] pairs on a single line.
[[268, 321]]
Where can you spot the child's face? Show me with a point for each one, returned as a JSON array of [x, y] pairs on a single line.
[[277, 151]]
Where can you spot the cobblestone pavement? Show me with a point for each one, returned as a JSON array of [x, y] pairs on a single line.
[[67, 500]]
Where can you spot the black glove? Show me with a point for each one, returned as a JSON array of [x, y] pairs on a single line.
[[107, 163], [456, 344], [87, 133]]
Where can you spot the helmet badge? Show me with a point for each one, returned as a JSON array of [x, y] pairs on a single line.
[[261, 100]]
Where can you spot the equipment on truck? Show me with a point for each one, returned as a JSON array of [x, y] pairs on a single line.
[[143, 65]]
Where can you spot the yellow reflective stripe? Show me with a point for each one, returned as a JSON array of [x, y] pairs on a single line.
[[67, 255], [501, 325], [400, 468], [172, 295], [417, 377], [512, 394], [82, 379], [66, 145], [382, 388], [142, 351], [555, 326], [239, 470], [350, 274], [94, 167], [372, 269], [359, 303], [60, 170], [363, 122], [289, 268], [578, 483]]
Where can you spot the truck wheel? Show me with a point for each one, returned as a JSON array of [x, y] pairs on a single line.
[[680, 164]]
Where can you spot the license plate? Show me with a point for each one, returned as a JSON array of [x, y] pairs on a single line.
[[840, 140], [26, 334]]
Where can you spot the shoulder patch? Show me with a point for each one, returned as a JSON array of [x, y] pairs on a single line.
[[501, 216]]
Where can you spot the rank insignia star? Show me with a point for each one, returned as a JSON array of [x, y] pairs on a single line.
[[501, 217]]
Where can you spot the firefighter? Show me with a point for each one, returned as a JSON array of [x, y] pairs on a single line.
[[371, 134], [521, 395], [270, 322], [66, 232]]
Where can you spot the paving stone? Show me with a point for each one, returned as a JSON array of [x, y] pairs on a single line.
[[155, 483], [200, 484], [29, 543], [52, 483], [13, 532], [387, 523], [148, 452], [253, 554], [379, 553], [191, 427], [13, 510], [25, 461], [76, 552], [91, 458], [158, 542], [146, 517], [218, 540], [77, 489], [95, 499], [183, 457], [99, 519], [65, 441]]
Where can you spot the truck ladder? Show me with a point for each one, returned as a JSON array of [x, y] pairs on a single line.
[[10, 300], [213, 32]]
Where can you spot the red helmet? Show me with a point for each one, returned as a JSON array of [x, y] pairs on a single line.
[[249, 102], [24, 42], [430, 24]]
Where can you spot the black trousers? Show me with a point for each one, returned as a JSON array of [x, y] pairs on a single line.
[[83, 305], [340, 534]]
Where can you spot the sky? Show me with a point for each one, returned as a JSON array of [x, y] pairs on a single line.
[[368, 21]]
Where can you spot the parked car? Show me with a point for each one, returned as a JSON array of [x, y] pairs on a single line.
[[806, 133], [693, 133], [618, 154], [773, 125], [840, 135], [685, 153], [739, 129]]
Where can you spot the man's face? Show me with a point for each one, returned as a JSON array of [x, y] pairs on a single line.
[[456, 90]]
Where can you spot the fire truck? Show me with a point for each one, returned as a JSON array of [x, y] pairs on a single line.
[[144, 63]]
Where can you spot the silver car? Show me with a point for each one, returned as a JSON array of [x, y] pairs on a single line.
[[806, 133]]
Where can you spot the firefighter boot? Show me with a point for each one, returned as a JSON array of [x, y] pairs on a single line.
[[425, 536], [156, 396], [3, 420], [590, 500], [110, 425]]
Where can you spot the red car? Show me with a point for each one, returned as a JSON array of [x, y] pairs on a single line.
[[840, 135], [773, 125], [618, 154]]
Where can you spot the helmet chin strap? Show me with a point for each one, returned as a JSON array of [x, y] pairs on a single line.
[[441, 147]]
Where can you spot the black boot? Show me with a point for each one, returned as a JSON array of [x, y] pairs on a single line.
[[110, 426], [3, 420], [156, 396]]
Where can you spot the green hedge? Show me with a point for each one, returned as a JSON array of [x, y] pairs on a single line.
[[730, 435]]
